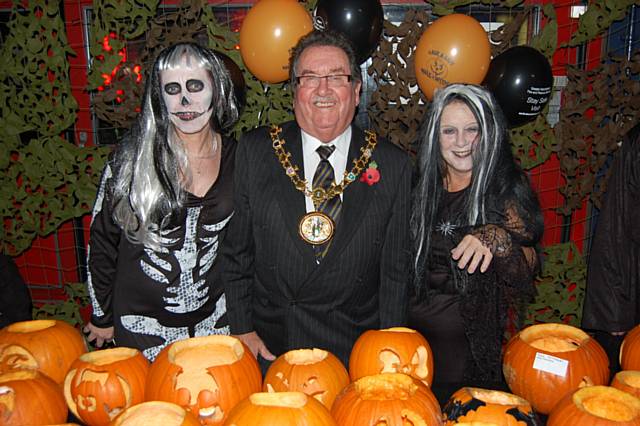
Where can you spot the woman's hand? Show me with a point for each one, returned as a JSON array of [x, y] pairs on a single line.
[[470, 253], [99, 334]]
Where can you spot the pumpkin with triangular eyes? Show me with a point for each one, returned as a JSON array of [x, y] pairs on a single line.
[[103, 383], [49, 346], [28, 397], [206, 375], [392, 350], [315, 372], [499, 408]]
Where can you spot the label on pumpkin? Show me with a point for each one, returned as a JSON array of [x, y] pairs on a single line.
[[551, 364]]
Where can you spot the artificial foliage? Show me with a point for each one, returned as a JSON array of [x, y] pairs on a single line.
[[114, 22], [44, 179], [600, 106], [598, 18], [67, 309], [560, 286]]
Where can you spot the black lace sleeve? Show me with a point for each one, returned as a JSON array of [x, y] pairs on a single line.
[[500, 294]]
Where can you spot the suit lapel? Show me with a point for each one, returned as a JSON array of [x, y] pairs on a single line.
[[292, 201]]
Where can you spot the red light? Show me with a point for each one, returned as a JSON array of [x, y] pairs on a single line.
[[105, 44], [107, 79]]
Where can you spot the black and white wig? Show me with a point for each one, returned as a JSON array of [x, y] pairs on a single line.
[[151, 163], [494, 170]]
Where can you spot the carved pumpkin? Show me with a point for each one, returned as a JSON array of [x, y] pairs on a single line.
[[386, 399], [392, 350], [28, 397], [630, 350], [544, 362], [207, 375], [46, 345], [596, 406], [488, 406], [315, 372], [101, 384], [281, 409], [628, 381], [156, 413]]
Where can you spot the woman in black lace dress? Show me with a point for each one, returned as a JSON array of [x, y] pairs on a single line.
[[475, 224]]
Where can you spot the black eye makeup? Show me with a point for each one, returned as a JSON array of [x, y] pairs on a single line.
[[195, 85], [172, 88]]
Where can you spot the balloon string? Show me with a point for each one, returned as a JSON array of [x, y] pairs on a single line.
[[266, 91]]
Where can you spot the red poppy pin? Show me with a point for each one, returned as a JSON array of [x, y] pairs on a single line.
[[371, 175]]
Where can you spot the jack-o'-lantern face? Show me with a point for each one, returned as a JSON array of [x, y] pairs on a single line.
[[49, 346], [315, 372], [417, 366], [13, 357], [102, 384], [205, 375], [393, 350], [89, 397], [197, 387], [311, 385]]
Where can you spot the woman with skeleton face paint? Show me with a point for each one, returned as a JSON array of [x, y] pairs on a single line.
[[162, 207]]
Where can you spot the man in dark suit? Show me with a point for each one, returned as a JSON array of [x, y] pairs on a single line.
[[311, 261]]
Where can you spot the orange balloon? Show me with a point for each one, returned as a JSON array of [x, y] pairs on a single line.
[[268, 33], [453, 49]]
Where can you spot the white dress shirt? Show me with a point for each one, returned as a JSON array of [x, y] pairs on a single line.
[[338, 159]]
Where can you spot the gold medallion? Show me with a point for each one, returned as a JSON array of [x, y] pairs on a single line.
[[316, 228]]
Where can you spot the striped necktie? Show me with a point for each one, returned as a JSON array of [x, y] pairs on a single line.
[[324, 177]]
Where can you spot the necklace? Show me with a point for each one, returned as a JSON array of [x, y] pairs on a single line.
[[316, 227]]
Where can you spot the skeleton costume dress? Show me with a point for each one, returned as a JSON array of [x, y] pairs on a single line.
[[463, 316], [153, 298]]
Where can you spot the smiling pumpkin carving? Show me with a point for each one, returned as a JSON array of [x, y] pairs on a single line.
[[206, 375], [315, 372], [101, 384], [392, 350]]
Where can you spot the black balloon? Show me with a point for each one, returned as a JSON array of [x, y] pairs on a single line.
[[360, 21], [521, 81], [237, 78]]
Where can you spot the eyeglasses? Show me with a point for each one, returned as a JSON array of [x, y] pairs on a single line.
[[333, 80]]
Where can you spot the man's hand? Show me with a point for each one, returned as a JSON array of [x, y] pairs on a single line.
[[99, 334], [472, 252], [256, 345]]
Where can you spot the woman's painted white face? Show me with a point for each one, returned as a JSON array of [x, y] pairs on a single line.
[[459, 132], [187, 91]]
